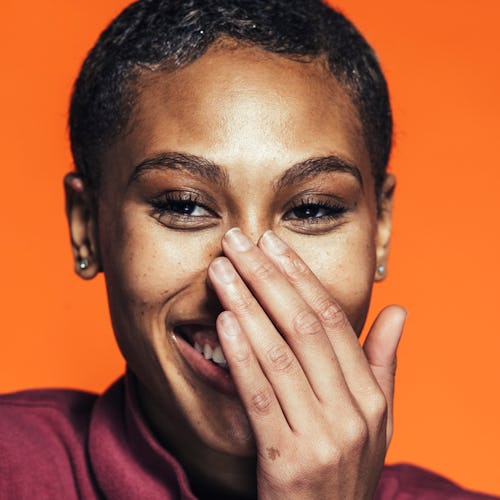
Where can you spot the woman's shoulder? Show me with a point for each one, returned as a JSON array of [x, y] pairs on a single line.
[[405, 481], [42, 440], [45, 407], [34, 418]]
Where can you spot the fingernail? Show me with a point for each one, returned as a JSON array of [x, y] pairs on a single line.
[[228, 324], [223, 270], [273, 243], [237, 240]]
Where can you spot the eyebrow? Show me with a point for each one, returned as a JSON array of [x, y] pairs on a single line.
[[191, 164], [315, 166], [202, 167]]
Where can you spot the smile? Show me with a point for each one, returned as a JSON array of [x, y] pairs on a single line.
[[204, 339], [199, 346]]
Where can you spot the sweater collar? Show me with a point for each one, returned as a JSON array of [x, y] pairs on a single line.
[[127, 460]]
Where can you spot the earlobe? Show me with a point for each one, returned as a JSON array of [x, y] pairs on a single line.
[[380, 272], [384, 227], [81, 214]]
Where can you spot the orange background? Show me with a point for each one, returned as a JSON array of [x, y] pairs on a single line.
[[442, 62]]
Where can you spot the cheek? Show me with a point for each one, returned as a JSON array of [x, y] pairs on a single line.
[[345, 265], [146, 265]]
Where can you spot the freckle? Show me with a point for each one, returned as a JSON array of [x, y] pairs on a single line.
[[273, 453]]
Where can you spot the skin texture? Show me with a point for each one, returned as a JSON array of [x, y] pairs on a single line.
[[312, 413]]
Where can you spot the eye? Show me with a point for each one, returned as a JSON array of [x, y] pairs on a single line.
[[182, 210], [315, 212], [310, 211]]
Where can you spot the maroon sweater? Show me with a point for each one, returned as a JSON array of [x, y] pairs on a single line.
[[63, 444]]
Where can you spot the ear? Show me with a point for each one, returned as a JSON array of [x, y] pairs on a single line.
[[81, 213], [384, 227]]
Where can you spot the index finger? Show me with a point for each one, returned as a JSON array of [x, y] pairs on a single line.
[[293, 317], [350, 355]]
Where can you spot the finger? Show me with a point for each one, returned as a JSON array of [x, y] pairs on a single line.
[[380, 348], [295, 319], [277, 360], [259, 400], [352, 360]]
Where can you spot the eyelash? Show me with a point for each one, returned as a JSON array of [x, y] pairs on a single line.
[[173, 206], [334, 211]]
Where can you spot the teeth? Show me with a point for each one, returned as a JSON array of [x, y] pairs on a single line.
[[207, 351], [218, 355], [215, 354], [222, 364]]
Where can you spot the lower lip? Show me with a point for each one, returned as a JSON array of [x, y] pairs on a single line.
[[215, 376]]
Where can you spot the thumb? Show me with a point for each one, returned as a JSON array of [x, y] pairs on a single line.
[[380, 348]]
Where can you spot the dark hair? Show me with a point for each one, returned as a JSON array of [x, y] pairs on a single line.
[[162, 35]]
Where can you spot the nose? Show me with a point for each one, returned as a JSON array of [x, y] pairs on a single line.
[[253, 226], [254, 234]]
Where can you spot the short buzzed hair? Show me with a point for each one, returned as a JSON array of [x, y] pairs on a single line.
[[163, 35]]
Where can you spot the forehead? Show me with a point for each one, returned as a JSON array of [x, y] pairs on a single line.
[[244, 106]]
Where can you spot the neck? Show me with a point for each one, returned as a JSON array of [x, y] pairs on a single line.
[[227, 478], [211, 473]]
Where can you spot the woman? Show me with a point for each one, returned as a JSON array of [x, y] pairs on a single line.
[[231, 184]]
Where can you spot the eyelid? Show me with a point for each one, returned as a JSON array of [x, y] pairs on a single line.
[[166, 213], [337, 209], [315, 197], [334, 211], [187, 195]]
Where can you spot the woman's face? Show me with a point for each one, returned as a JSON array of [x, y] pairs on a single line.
[[238, 138]]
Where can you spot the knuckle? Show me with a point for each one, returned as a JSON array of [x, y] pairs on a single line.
[[356, 431], [332, 315], [242, 357], [294, 268], [262, 270], [306, 323], [261, 401], [327, 454], [378, 408], [281, 358], [242, 302]]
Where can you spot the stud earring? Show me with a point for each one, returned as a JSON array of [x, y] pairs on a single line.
[[83, 264], [381, 269]]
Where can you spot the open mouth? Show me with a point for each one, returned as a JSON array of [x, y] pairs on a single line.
[[204, 340]]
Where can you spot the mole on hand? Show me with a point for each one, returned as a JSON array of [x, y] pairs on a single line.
[[273, 453]]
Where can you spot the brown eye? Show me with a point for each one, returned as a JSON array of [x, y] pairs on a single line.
[[186, 208], [315, 211], [183, 210], [306, 211], [180, 204]]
